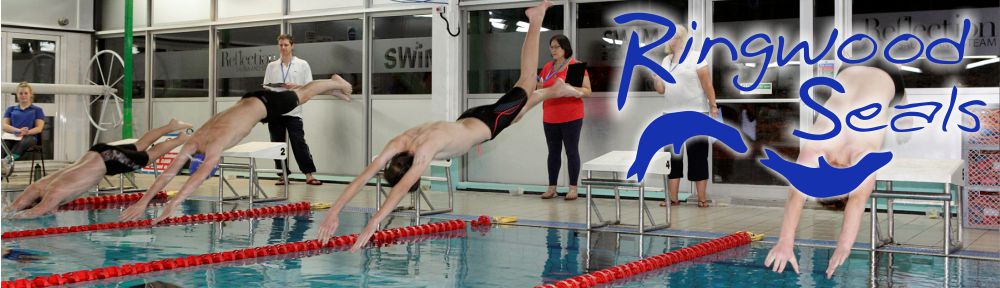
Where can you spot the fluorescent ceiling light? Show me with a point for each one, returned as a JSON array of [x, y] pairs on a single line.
[[910, 69], [48, 46], [981, 63]]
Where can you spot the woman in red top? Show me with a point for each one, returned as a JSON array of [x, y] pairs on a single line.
[[562, 117]]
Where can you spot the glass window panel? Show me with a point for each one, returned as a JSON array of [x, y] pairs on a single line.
[[138, 64], [494, 43], [34, 61], [401, 55], [180, 65], [601, 42], [331, 47], [737, 21], [930, 20], [761, 124], [243, 56]]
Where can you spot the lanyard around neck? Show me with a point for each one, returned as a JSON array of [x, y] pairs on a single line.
[[284, 74], [553, 72]]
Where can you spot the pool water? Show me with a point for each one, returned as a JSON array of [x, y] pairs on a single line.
[[508, 256]]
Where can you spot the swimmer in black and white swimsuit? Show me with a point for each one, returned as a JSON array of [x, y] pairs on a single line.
[[101, 160]]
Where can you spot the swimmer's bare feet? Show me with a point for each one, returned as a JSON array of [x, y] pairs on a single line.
[[537, 14], [178, 125], [343, 86], [184, 135], [561, 89]]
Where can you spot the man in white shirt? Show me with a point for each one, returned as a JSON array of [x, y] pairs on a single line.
[[290, 72]]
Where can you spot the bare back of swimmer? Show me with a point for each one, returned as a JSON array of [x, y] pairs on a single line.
[[226, 129], [102, 159]]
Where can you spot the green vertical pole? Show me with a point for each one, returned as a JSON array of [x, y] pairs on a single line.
[[127, 84]]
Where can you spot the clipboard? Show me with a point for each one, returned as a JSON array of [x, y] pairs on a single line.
[[575, 73]]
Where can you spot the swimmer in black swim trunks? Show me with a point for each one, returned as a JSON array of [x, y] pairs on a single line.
[[101, 160], [226, 129], [410, 153]]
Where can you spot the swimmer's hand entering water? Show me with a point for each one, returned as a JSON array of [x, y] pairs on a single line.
[[365, 236], [328, 227], [837, 259], [167, 211], [134, 211], [781, 254]]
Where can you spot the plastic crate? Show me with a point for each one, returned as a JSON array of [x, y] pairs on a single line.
[[981, 151], [982, 167], [982, 210], [160, 164], [989, 129]]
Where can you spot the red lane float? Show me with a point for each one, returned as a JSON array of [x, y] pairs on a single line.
[[112, 198], [186, 219], [396, 235], [118, 205], [656, 262], [483, 220]]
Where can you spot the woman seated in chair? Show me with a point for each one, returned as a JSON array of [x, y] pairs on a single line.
[[24, 120]]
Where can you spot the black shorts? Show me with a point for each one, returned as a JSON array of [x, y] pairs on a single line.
[[697, 166], [277, 103], [121, 158], [501, 114]]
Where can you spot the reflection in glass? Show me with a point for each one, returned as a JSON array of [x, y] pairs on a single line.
[[243, 56], [601, 42], [931, 20], [331, 47], [34, 61], [495, 40], [138, 63], [762, 125], [401, 55], [738, 20], [180, 65]]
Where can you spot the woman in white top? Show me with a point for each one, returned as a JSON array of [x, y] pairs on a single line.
[[284, 74], [692, 92]]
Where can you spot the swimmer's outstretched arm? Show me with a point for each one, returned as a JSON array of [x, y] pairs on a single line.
[[211, 160], [136, 210], [853, 212], [329, 225], [783, 252], [420, 163]]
